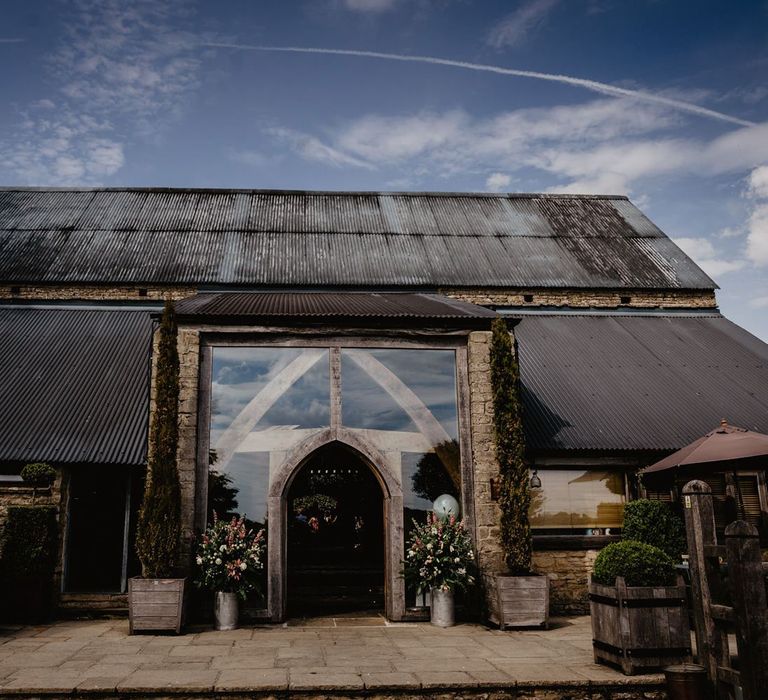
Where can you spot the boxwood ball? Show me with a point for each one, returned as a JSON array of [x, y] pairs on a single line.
[[445, 506]]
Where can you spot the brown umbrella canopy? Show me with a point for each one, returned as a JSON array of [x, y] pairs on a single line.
[[716, 451]]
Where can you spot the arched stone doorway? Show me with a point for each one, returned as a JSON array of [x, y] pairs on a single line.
[[335, 536], [381, 469]]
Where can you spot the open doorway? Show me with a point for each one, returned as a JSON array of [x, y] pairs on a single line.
[[335, 536]]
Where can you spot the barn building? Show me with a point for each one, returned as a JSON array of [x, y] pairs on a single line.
[[335, 360]]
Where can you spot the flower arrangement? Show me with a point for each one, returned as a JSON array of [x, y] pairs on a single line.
[[440, 555], [229, 557]]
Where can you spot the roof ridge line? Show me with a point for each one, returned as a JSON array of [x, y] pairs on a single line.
[[350, 193]]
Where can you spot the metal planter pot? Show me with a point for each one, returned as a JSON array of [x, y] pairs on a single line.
[[226, 609], [442, 609]]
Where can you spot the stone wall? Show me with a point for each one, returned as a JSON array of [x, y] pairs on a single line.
[[22, 495], [93, 292], [585, 298], [490, 556], [186, 458], [568, 572], [533, 297]]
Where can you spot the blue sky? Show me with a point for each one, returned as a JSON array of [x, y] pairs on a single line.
[[175, 94]]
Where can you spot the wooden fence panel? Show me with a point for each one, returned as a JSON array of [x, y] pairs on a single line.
[[720, 601]]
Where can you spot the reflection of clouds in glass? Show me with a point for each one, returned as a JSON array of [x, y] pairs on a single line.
[[250, 476], [365, 404], [307, 404], [430, 374], [239, 374]]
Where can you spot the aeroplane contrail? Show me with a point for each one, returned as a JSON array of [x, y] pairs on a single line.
[[593, 85]]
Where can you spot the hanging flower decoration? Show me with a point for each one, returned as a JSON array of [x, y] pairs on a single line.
[[230, 556], [440, 555]]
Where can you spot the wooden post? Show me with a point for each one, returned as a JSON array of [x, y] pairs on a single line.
[[750, 610], [711, 644]]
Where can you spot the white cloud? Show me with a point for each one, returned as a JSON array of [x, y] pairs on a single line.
[[369, 5], [758, 182], [600, 146], [392, 139], [759, 302], [497, 182], [124, 71], [516, 27], [311, 148], [757, 224], [704, 253], [757, 238]]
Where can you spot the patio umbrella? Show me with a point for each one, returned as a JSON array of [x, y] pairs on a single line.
[[727, 443], [724, 449]]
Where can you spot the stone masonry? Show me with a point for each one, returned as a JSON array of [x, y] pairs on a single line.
[[186, 458], [490, 556], [567, 570], [93, 292], [586, 298], [24, 495]]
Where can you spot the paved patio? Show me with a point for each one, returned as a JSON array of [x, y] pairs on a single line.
[[341, 656]]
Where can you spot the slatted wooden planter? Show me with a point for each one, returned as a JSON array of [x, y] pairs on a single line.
[[523, 601], [156, 604], [640, 627]]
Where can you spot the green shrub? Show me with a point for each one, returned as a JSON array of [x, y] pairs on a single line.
[[514, 486], [159, 529], [29, 547], [639, 564], [38, 474], [654, 522]]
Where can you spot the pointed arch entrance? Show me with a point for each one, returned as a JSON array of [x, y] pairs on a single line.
[[377, 473], [335, 536]]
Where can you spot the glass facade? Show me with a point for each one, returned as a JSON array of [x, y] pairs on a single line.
[[578, 502], [265, 401]]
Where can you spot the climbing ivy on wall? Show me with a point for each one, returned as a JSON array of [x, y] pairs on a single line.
[[159, 528], [514, 487]]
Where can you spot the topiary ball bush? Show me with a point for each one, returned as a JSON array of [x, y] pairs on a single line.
[[639, 564], [654, 523], [38, 474]]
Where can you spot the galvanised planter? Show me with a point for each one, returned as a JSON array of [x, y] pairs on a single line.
[[226, 611]]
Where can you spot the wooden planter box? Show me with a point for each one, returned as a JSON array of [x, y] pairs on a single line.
[[523, 601], [639, 628], [156, 604]]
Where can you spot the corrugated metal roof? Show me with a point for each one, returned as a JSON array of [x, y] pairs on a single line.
[[250, 306], [340, 239], [74, 385], [638, 382]]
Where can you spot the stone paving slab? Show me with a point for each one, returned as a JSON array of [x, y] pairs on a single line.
[[100, 658]]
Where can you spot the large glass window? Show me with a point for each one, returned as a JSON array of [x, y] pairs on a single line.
[[578, 502], [265, 401]]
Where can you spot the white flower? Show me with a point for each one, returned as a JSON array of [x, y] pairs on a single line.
[[243, 566], [218, 560], [199, 561], [429, 545], [223, 548]]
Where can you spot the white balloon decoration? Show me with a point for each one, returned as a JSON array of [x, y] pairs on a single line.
[[445, 506]]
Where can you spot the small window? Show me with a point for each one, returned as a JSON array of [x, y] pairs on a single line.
[[142, 292], [578, 502], [625, 300], [527, 298], [15, 291]]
